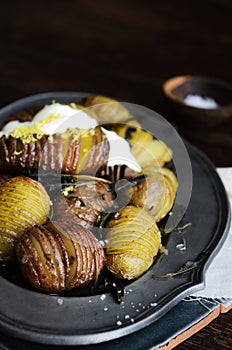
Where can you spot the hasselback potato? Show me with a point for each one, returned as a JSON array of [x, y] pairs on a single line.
[[157, 193], [23, 203], [62, 254], [59, 256], [87, 199], [144, 147], [107, 109], [72, 152], [133, 242]]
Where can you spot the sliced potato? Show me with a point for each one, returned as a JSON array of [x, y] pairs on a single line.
[[107, 109], [157, 193], [124, 129], [86, 255], [148, 150], [23, 203], [43, 260], [74, 151], [59, 256], [86, 198], [133, 242], [150, 194]]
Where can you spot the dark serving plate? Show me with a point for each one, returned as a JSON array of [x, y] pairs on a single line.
[[94, 318]]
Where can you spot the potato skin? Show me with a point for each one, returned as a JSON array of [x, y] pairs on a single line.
[[107, 109], [86, 216], [87, 199], [23, 203], [60, 152], [43, 260], [89, 254], [133, 242], [157, 193], [59, 256]]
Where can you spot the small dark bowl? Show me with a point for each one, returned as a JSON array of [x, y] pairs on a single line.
[[177, 88]]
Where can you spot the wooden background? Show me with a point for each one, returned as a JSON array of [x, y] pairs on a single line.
[[125, 49]]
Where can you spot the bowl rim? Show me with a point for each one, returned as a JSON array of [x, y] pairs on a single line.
[[178, 80]]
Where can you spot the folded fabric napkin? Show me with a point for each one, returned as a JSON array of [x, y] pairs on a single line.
[[218, 281]]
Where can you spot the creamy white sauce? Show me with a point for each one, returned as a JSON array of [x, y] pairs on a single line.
[[63, 117], [9, 127], [68, 118], [120, 153]]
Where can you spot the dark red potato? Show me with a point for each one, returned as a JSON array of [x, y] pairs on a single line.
[[59, 255], [71, 152]]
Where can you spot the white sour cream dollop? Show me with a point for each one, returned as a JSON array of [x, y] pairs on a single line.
[[63, 117]]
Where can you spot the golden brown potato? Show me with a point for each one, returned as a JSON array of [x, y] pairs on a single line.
[[107, 109], [147, 150], [23, 203], [133, 242], [157, 193]]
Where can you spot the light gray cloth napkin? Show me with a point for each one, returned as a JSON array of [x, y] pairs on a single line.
[[218, 283]]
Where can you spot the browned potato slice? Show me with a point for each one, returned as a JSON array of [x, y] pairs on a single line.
[[73, 251], [86, 145], [86, 216]]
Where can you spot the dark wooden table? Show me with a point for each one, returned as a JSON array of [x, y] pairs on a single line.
[[125, 49]]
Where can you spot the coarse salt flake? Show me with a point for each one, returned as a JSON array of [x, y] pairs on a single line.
[[103, 297], [200, 102]]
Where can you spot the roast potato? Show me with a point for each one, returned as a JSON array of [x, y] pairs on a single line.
[[23, 203], [148, 150], [157, 193], [145, 148], [133, 241], [74, 151], [87, 199], [107, 109], [59, 256]]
